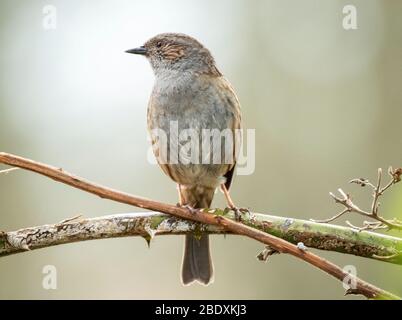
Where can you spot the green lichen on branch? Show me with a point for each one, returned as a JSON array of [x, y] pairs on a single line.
[[149, 224], [328, 237]]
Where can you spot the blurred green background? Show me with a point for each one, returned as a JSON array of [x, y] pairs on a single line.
[[326, 104]]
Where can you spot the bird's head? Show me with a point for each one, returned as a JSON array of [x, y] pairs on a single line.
[[177, 52]]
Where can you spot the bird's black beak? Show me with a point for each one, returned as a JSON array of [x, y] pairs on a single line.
[[140, 50]]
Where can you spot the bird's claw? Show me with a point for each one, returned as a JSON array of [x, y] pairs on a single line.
[[190, 208], [239, 212]]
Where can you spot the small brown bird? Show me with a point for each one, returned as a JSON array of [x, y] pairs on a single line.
[[191, 94]]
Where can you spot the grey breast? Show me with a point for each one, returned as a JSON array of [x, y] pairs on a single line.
[[190, 102]]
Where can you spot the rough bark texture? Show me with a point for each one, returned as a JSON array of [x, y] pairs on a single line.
[[147, 225]]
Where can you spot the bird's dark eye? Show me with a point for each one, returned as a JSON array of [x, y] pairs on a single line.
[[159, 44]]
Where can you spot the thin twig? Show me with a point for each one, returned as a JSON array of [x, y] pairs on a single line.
[[6, 171], [280, 245], [332, 218], [378, 191]]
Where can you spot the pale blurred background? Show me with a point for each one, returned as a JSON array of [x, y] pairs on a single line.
[[326, 104]]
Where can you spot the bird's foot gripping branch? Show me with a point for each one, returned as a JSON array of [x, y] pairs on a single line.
[[282, 235]]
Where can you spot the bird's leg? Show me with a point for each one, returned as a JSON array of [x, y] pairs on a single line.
[[182, 202], [181, 198], [237, 211]]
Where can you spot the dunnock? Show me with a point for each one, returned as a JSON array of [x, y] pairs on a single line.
[[190, 91]]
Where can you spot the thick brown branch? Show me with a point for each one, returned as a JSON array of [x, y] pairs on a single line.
[[273, 242]]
